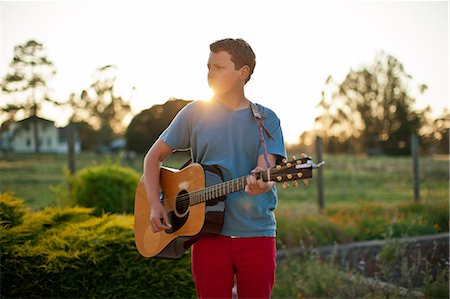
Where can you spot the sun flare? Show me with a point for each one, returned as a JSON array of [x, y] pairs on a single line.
[[208, 95]]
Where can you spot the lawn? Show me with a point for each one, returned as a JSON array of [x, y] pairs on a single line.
[[347, 179]]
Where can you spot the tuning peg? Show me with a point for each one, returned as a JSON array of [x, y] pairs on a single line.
[[285, 185], [294, 158], [295, 184]]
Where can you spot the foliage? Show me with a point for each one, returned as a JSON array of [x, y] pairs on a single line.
[[409, 268], [108, 187], [437, 287], [436, 134], [146, 127], [308, 230], [12, 210], [371, 110], [100, 107], [26, 84], [312, 277], [87, 134], [68, 253], [343, 223]]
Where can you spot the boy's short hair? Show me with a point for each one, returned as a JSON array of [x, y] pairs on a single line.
[[240, 51]]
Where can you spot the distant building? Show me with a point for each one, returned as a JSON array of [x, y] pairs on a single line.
[[19, 137]]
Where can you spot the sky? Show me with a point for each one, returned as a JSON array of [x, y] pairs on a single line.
[[161, 47]]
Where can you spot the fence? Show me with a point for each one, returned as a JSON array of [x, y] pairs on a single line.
[[426, 176]]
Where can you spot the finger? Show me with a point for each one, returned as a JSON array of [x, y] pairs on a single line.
[[166, 222], [160, 223], [249, 188], [154, 226], [257, 169], [262, 184], [251, 179]]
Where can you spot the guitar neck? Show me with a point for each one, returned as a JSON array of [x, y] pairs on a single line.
[[288, 171], [218, 190]]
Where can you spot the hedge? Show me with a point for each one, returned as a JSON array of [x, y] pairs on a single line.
[[69, 253]]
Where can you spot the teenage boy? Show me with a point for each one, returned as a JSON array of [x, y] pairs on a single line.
[[225, 133]]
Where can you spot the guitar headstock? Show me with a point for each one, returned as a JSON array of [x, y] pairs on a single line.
[[293, 170]]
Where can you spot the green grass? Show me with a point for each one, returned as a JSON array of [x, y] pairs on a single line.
[[385, 179], [33, 177], [346, 179], [364, 198]]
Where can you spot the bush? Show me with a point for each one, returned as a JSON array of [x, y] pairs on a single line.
[[378, 221], [12, 210], [69, 253], [344, 223], [309, 231], [108, 187], [310, 277]]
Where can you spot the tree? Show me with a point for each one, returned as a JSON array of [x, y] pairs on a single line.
[[435, 134], [26, 84], [372, 106], [146, 127], [100, 107]]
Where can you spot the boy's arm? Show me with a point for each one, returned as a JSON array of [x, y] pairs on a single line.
[[152, 168]]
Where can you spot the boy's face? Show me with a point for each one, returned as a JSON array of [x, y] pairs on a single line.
[[222, 76]]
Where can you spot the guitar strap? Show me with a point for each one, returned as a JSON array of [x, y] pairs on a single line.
[[259, 118]]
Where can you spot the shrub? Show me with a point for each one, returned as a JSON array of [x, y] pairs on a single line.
[[12, 210], [309, 277], [309, 231], [348, 222], [69, 253], [108, 187]]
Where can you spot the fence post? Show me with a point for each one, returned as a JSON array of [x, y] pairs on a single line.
[[71, 147], [415, 160], [319, 174]]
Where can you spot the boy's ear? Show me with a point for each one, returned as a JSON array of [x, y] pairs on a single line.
[[245, 72]]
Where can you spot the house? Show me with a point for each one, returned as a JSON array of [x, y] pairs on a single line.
[[19, 137]]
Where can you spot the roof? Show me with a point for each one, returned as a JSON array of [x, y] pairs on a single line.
[[34, 117]]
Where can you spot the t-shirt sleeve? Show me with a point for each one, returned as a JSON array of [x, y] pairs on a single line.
[[177, 134], [276, 145]]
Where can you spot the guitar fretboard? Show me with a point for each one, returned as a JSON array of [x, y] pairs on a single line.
[[217, 190]]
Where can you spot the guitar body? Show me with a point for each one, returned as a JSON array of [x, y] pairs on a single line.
[[188, 222]]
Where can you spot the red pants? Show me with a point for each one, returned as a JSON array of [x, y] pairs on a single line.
[[216, 260]]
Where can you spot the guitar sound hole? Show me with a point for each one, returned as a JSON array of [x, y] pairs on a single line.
[[182, 202]]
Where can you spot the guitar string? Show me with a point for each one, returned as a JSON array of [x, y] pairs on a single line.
[[208, 190], [185, 198]]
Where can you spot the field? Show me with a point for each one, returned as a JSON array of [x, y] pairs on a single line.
[[365, 198], [349, 180]]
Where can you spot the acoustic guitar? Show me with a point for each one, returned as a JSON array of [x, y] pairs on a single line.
[[194, 200]]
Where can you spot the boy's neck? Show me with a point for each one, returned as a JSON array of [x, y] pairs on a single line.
[[236, 101]]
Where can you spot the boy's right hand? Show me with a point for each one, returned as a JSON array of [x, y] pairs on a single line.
[[159, 220]]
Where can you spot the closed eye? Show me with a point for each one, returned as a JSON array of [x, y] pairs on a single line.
[[215, 66]]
